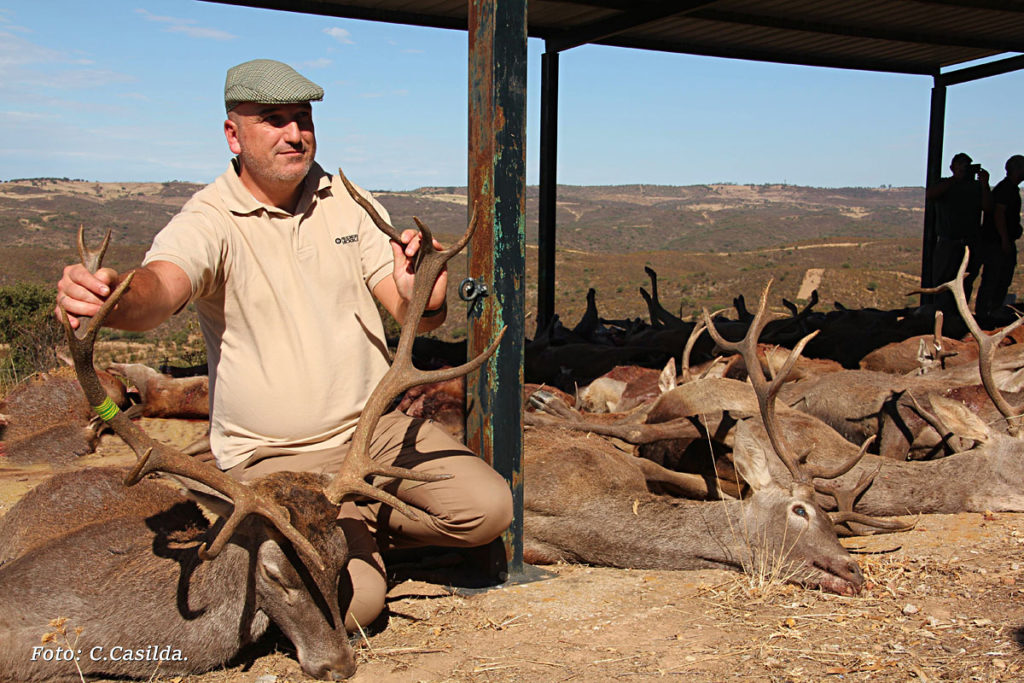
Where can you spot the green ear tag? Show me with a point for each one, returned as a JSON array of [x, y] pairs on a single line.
[[106, 410]]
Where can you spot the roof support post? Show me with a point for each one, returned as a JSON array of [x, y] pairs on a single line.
[[936, 130], [497, 192], [547, 225]]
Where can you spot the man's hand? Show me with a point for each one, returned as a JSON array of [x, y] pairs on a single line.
[[404, 273], [81, 293]]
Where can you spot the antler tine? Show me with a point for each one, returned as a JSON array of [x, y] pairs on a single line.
[[822, 472], [382, 224], [154, 456], [402, 374], [847, 498], [765, 391], [987, 343], [92, 261], [691, 341]]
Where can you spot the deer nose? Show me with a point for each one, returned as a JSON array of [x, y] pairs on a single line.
[[856, 576], [338, 670]]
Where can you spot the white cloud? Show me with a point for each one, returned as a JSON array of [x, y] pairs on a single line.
[[83, 78], [15, 117], [186, 26], [15, 51], [340, 35], [200, 32], [321, 63]]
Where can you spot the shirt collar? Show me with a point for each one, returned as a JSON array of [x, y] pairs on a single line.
[[239, 200]]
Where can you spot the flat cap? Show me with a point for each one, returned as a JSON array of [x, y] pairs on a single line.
[[268, 82]]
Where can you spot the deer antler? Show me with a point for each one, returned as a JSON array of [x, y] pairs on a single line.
[[402, 374], [987, 344], [154, 456], [691, 341], [92, 260], [766, 392]]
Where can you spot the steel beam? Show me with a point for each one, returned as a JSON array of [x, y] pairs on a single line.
[[497, 255], [973, 73], [610, 26], [547, 223], [936, 130], [874, 30]]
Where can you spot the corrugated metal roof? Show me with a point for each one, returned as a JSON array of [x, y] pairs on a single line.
[[905, 36]]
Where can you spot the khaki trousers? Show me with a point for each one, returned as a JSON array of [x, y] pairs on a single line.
[[470, 509]]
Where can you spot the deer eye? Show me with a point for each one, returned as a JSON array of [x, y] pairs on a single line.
[[800, 510]]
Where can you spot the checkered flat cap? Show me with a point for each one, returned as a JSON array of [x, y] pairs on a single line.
[[268, 82]]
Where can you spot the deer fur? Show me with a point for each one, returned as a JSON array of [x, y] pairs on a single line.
[[129, 574], [166, 396], [586, 501], [49, 421]]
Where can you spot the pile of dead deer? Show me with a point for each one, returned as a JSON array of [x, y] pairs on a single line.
[[658, 444]]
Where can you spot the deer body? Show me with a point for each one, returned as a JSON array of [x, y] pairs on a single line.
[[131, 576], [586, 501], [166, 396], [49, 419], [986, 477]]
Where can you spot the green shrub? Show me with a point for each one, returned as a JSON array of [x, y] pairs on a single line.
[[28, 326]]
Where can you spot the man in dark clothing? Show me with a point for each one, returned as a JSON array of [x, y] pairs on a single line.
[[959, 203], [1000, 231]]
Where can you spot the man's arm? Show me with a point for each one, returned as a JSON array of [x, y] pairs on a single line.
[[158, 290], [939, 188], [395, 292]]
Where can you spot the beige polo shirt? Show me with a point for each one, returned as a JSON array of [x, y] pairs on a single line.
[[294, 340]]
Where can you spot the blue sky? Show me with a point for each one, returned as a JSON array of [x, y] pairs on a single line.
[[131, 91]]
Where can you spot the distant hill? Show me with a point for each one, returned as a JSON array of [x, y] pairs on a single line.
[[46, 212], [708, 243]]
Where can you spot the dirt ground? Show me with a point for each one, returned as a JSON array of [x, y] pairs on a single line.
[[944, 602]]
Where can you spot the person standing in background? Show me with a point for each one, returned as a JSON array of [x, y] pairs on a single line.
[[960, 201], [1000, 231]]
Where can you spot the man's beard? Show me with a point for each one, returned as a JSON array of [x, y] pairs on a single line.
[[266, 169]]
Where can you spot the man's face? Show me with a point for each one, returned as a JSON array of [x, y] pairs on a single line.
[[275, 142]]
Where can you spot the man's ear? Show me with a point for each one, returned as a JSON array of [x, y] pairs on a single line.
[[231, 135]]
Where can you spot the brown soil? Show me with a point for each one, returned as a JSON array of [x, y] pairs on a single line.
[[943, 602]]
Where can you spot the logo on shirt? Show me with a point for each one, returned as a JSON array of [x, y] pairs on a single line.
[[347, 239]]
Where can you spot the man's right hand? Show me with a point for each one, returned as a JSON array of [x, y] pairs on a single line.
[[81, 293]]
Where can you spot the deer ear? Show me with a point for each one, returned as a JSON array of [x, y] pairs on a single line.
[[958, 419], [1013, 383], [667, 378], [750, 458], [213, 503]]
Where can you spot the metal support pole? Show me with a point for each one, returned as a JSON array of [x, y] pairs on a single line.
[[547, 227], [936, 130], [497, 257]]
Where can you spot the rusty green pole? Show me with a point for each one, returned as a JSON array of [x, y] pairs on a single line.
[[497, 253]]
